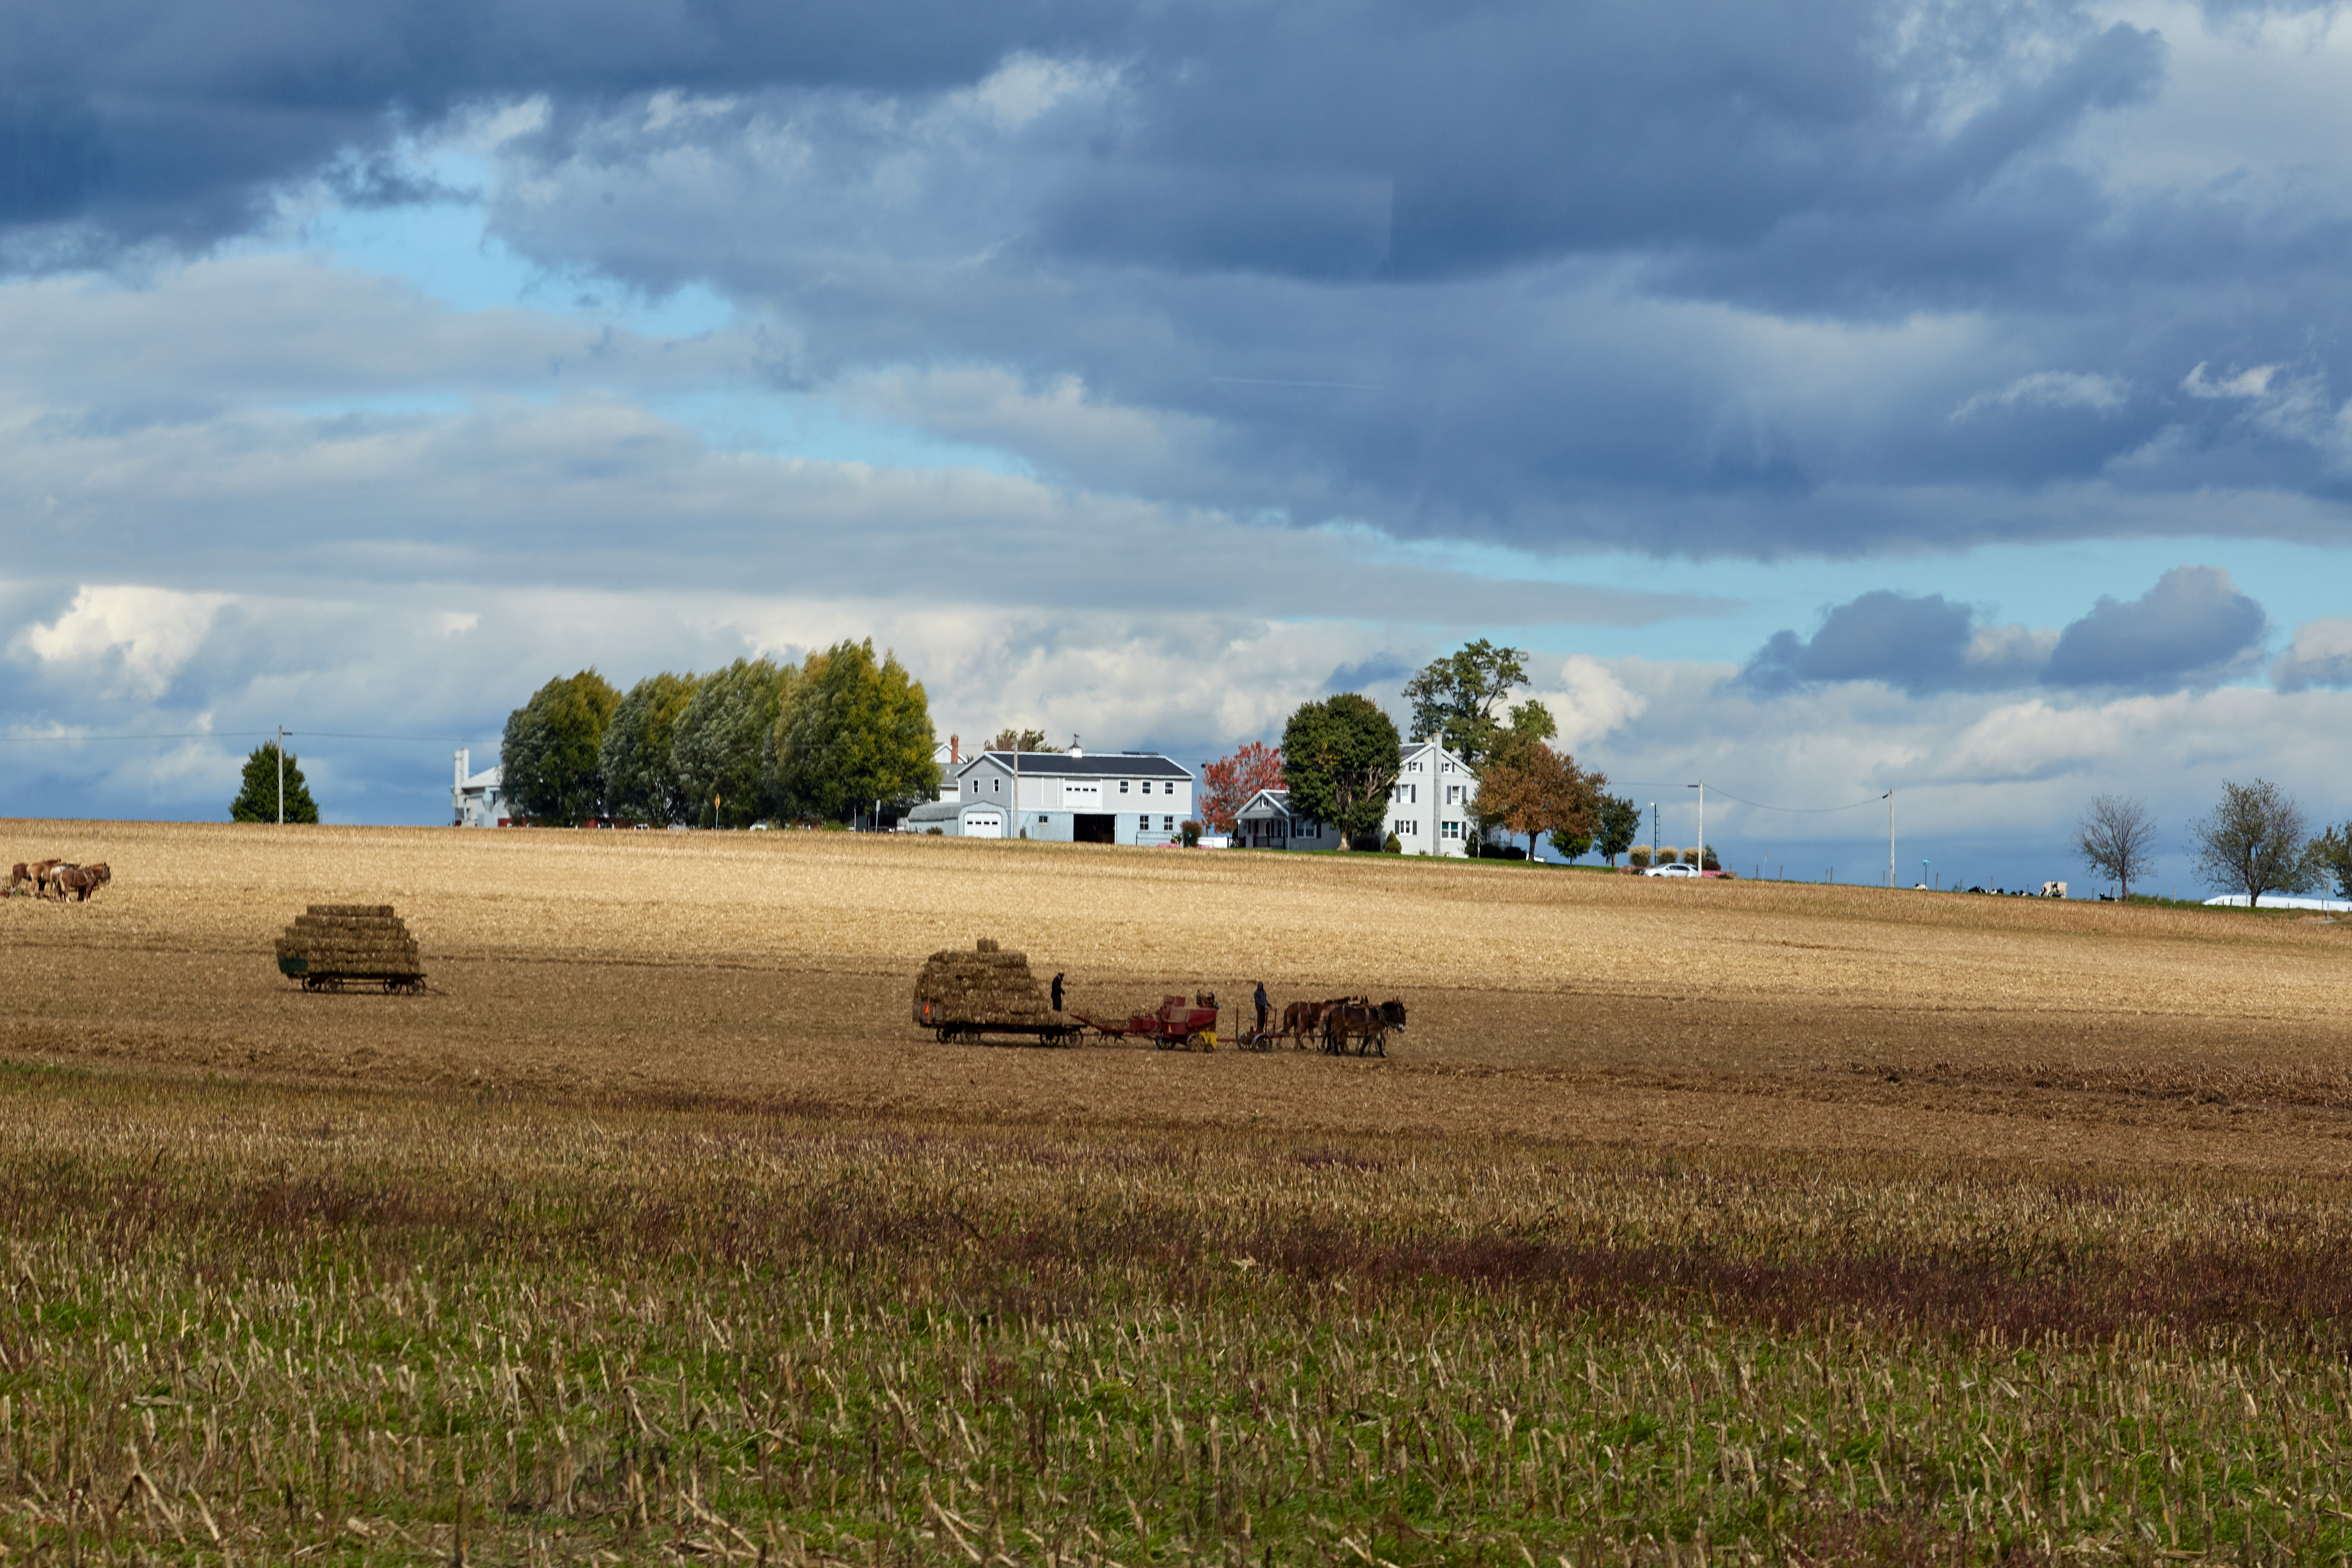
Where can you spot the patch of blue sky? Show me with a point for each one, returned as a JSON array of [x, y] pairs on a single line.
[[441, 247], [2044, 587]]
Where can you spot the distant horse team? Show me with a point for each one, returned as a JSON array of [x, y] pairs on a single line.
[[60, 880], [1335, 1023]]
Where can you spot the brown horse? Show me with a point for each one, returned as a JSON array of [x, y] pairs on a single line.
[[44, 877], [1300, 1019], [83, 881], [1358, 1020]]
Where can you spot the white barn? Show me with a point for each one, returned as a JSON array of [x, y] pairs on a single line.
[[1118, 797]]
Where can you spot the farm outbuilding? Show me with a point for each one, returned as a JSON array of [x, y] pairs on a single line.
[[1118, 797]]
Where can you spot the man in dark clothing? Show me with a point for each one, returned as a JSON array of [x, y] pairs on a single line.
[[1057, 993], [1264, 1007]]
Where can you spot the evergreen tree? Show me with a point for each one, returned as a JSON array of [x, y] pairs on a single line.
[[256, 800]]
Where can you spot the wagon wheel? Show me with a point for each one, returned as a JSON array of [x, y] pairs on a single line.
[[1163, 1043], [1193, 1042]]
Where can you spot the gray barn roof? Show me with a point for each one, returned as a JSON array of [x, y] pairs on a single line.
[[1099, 766]]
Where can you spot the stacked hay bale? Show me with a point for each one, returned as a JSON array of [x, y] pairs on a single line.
[[985, 985], [349, 941]]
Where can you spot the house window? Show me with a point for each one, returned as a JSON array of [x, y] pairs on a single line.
[[1449, 830], [1122, 786]]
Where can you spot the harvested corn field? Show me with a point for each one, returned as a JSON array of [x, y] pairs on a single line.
[[776, 969], [1685, 1223]]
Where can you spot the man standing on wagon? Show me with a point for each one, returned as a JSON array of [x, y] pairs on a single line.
[[1057, 993], [1264, 1007]]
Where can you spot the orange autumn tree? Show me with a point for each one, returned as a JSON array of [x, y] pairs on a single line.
[[1227, 784], [1533, 790]]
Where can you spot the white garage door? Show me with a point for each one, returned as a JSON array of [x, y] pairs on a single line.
[[983, 824]]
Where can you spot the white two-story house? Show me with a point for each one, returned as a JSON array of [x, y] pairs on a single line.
[[1429, 804], [1117, 798], [1428, 809]]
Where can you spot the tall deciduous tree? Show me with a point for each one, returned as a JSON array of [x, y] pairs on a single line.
[[548, 759], [719, 747], [640, 781], [2331, 854], [1339, 758], [1021, 741], [256, 797], [1454, 700], [1227, 784], [856, 731], [1619, 822], [2117, 839], [1534, 790], [2252, 840]]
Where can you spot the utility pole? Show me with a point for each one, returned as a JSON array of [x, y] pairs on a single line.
[[281, 775], [1701, 787], [1890, 838], [1653, 833]]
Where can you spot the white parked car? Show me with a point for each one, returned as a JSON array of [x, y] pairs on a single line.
[[1678, 869]]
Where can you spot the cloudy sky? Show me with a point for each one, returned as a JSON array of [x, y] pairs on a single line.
[[1949, 397]]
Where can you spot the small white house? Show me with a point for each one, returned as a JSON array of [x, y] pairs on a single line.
[[1118, 797], [1266, 822], [476, 800], [1429, 804]]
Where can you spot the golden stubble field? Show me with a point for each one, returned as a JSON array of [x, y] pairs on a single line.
[[775, 969]]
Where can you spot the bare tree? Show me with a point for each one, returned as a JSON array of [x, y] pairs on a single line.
[[2117, 838], [2254, 841]]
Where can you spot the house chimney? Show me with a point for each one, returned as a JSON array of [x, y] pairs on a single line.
[[955, 750]]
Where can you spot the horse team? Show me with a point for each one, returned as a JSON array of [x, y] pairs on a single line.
[[60, 880], [1335, 1024]]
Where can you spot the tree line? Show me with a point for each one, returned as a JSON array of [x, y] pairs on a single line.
[[1340, 759], [2256, 839], [757, 741]]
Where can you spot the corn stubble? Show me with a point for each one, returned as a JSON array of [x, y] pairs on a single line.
[[662, 1234], [248, 1321]]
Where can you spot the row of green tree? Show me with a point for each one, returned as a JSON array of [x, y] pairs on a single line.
[[818, 740], [1339, 759]]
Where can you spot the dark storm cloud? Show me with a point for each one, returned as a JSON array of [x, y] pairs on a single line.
[[2194, 627], [1919, 643], [144, 120], [1670, 280]]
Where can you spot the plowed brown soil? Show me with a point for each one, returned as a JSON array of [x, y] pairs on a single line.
[[778, 969]]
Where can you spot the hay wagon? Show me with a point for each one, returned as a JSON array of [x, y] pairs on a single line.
[[337, 947], [987, 995], [1179, 1024]]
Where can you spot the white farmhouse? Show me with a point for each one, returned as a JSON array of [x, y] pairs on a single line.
[[1429, 806], [478, 800], [1429, 809], [1119, 797]]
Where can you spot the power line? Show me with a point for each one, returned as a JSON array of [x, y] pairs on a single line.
[[1792, 810]]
